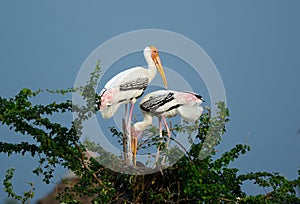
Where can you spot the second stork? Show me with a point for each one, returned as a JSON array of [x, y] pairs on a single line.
[[165, 104]]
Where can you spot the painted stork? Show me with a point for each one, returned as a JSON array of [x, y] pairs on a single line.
[[165, 104], [129, 85]]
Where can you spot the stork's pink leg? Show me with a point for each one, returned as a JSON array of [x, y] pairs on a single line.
[[126, 118], [169, 137], [131, 111], [126, 114], [129, 132], [125, 139], [130, 117], [160, 135], [168, 130]]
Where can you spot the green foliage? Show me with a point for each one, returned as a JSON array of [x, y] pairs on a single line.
[[195, 178], [8, 188], [283, 190]]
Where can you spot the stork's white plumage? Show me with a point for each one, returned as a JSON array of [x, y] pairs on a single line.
[[129, 85], [165, 104]]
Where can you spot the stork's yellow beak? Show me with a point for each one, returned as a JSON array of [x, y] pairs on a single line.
[[134, 141], [160, 70]]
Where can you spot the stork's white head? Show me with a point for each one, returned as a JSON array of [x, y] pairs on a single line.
[[147, 51], [153, 52]]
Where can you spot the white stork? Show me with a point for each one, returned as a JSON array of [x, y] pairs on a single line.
[[129, 85], [165, 104]]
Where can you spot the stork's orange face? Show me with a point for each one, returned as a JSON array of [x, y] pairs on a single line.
[[154, 53], [156, 59]]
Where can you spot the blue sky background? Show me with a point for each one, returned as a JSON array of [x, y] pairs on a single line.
[[254, 44]]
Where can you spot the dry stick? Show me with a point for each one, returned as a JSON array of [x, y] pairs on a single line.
[[140, 191], [186, 152], [172, 130], [117, 198], [178, 189], [86, 166], [225, 199]]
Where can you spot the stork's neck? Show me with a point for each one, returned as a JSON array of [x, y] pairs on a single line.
[[139, 126], [151, 66]]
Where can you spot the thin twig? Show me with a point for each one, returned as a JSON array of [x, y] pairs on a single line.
[[86, 166]]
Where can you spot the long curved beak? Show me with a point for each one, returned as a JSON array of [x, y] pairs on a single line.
[[161, 70]]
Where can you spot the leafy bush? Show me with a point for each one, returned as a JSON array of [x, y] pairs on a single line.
[[194, 178]]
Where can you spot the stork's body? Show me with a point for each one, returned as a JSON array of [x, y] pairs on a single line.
[[165, 104], [129, 85]]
